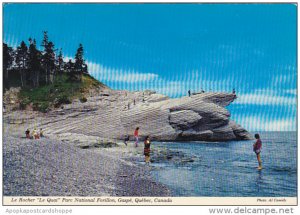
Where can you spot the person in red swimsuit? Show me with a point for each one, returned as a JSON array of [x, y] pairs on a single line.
[[257, 149], [136, 135]]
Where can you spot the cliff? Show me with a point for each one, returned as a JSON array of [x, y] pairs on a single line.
[[113, 114]]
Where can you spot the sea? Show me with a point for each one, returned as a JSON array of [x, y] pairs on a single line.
[[229, 169]]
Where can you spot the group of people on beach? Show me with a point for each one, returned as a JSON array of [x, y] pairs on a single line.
[[35, 134]]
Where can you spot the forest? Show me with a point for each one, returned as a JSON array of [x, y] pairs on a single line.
[[45, 79], [28, 67]]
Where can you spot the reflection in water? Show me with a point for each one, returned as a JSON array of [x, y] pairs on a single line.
[[259, 180]]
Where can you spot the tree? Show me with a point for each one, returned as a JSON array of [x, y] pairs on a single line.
[[80, 66], [34, 63], [70, 69], [43, 59], [51, 61], [22, 61], [60, 62], [7, 60], [48, 58]]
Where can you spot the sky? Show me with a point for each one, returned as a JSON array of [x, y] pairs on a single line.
[[171, 48]]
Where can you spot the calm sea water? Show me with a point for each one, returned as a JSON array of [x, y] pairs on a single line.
[[229, 169]]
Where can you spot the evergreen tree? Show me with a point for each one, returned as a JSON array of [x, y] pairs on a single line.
[[7, 60], [48, 58], [60, 62], [51, 64], [70, 69], [80, 66], [22, 61], [34, 63]]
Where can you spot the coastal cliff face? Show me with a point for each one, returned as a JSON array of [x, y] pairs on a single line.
[[114, 114]]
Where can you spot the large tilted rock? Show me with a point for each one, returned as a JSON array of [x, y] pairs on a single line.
[[200, 117], [115, 114]]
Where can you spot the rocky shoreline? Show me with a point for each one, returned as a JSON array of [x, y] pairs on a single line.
[[48, 167], [80, 156]]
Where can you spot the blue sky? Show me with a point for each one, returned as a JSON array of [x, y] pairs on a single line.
[[171, 48]]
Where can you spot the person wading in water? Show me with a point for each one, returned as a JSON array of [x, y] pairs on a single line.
[[147, 149], [257, 149], [27, 132]]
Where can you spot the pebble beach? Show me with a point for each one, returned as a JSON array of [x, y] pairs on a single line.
[[49, 167]]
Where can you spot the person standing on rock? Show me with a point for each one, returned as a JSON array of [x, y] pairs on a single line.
[[233, 92], [257, 149], [189, 92], [136, 135], [147, 144]]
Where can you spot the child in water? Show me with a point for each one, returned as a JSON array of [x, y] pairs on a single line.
[[147, 149], [257, 149]]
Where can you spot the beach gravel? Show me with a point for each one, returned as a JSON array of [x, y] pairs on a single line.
[[48, 167]]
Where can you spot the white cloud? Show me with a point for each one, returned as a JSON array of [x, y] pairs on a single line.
[[284, 78], [147, 80], [67, 58], [11, 40], [171, 88], [119, 75], [132, 77], [256, 123], [265, 99], [281, 125], [292, 91], [176, 87]]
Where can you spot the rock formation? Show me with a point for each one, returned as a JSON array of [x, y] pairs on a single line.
[[113, 114]]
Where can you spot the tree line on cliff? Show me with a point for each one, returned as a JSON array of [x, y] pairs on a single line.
[[34, 68]]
